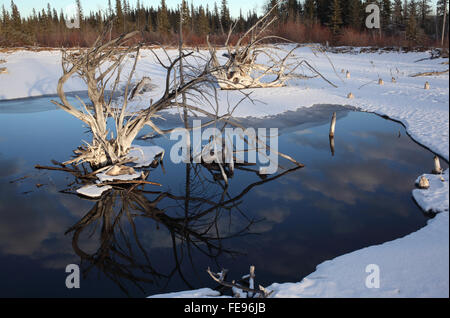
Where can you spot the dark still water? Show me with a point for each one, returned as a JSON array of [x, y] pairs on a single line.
[[148, 240]]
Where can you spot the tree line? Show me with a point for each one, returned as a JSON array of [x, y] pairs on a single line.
[[338, 22]]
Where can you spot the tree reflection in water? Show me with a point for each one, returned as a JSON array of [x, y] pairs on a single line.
[[122, 257]]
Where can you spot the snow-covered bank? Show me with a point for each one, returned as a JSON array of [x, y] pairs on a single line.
[[435, 199], [413, 266]]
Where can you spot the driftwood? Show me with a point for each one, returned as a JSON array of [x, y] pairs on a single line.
[[192, 89], [332, 146], [424, 183], [437, 166], [333, 124], [432, 73], [78, 174], [119, 182], [237, 288], [96, 70], [54, 168], [242, 70], [143, 86]]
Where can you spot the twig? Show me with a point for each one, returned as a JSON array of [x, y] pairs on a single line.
[[129, 182], [433, 73]]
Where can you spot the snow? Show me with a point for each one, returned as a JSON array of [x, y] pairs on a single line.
[[423, 112], [103, 177], [33, 74], [93, 191], [144, 154], [434, 199], [413, 266], [198, 293]]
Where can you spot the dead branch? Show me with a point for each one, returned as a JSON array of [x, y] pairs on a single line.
[[251, 292], [432, 73], [242, 71], [119, 182]]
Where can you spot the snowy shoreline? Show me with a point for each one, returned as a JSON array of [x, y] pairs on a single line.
[[416, 265]]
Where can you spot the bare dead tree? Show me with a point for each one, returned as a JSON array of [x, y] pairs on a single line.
[[103, 63], [193, 90], [96, 67], [244, 68], [244, 287]]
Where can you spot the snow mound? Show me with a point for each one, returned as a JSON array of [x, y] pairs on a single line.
[[198, 293], [434, 199], [144, 155], [102, 177], [93, 191]]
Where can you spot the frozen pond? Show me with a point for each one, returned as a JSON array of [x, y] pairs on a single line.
[[162, 239]]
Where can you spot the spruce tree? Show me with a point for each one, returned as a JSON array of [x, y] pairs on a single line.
[[309, 10], [324, 10], [202, 22], [15, 16], [215, 25], [163, 23], [411, 28], [386, 12], [186, 14], [335, 17], [442, 13], [5, 25], [273, 4], [79, 10], [225, 16], [119, 16], [292, 10], [355, 18], [424, 11], [397, 15]]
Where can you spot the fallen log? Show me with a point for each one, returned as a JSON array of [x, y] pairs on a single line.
[[129, 182], [433, 73]]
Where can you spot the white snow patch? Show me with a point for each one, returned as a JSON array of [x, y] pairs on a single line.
[[434, 199], [93, 191], [102, 176], [198, 293], [144, 154]]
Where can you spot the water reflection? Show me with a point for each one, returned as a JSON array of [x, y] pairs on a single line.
[[332, 147], [201, 224], [164, 240]]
